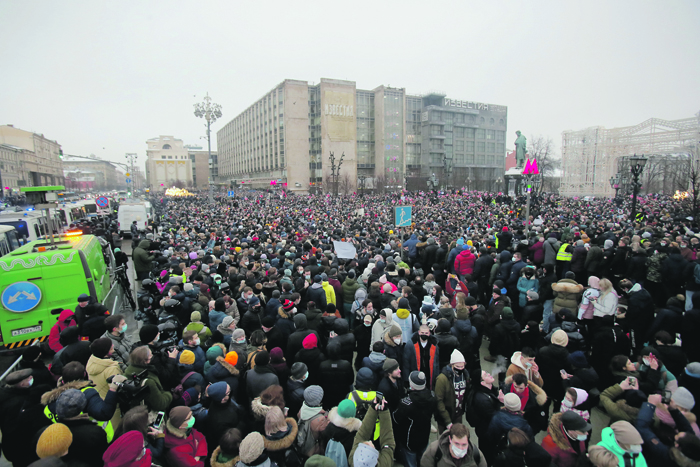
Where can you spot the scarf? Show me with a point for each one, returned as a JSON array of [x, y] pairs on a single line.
[[523, 397]]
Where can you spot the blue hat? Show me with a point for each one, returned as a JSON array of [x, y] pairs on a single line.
[[460, 241], [217, 391]]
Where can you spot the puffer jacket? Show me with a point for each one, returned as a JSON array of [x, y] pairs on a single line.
[[350, 287], [183, 448], [558, 445], [223, 371], [99, 369], [608, 442], [464, 263], [277, 444], [65, 320], [567, 294], [551, 247]]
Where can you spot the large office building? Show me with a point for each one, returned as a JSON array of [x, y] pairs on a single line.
[[168, 163], [386, 138], [33, 159], [102, 174]]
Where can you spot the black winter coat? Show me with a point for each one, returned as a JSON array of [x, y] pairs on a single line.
[[485, 405], [505, 338], [220, 418], [552, 359], [446, 343], [412, 419], [345, 338], [313, 359], [251, 321], [296, 338], [89, 442], [336, 377]]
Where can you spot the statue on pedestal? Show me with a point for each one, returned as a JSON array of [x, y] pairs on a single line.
[[520, 149]]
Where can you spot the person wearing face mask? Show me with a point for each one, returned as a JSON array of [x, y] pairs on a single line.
[[381, 325], [393, 344], [622, 439], [296, 384], [453, 448], [451, 388], [190, 341], [116, 332], [422, 354], [184, 445], [566, 438]]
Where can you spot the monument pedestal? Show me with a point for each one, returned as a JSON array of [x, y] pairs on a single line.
[[515, 181]]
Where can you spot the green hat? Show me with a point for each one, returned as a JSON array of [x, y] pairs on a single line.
[[347, 409], [507, 313]]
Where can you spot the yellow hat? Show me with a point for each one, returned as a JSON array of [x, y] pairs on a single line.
[[469, 242], [238, 249], [187, 357], [391, 232], [54, 441]]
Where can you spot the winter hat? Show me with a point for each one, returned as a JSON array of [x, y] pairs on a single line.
[[683, 398], [382, 280], [427, 301], [190, 396], [626, 433], [217, 391], [351, 274], [347, 409], [83, 297], [608, 244], [310, 341], [581, 396], [262, 358], [54, 441], [188, 287], [196, 316], [251, 447], [403, 303], [594, 282], [460, 241], [533, 295], [17, 376], [276, 355], [317, 279], [457, 357], [101, 347], [268, 321], [417, 380], [496, 291], [443, 325], [125, 450], [226, 322], [231, 358], [313, 396], [187, 357], [578, 359], [324, 276], [365, 456], [394, 331], [287, 305], [507, 313], [299, 369], [237, 334], [390, 365], [574, 422], [693, 369], [148, 332], [512, 402], [70, 404], [560, 338]]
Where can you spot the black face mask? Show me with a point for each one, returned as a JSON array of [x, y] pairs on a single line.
[[423, 338]]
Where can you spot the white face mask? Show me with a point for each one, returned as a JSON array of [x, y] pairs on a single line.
[[635, 448], [382, 321], [582, 437], [397, 340], [196, 341], [646, 361], [459, 453], [567, 403]]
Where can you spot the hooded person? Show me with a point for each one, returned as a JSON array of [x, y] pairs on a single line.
[[185, 446], [406, 320], [296, 339], [197, 326], [260, 377], [622, 439], [381, 325], [213, 352], [566, 439], [225, 369], [311, 356], [65, 319], [280, 434], [128, 451]]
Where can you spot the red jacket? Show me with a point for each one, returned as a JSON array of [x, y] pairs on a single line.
[[464, 263], [452, 293], [182, 449], [65, 320], [558, 445]]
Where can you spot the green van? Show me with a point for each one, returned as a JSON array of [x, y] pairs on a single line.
[[38, 281]]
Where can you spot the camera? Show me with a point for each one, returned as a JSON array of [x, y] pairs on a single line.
[[131, 392]]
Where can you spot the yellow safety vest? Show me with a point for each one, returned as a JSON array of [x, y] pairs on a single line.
[[107, 426], [562, 255], [367, 396]]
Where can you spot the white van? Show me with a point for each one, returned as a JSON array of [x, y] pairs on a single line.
[[128, 213]]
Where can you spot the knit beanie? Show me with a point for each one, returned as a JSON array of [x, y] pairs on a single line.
[[237, 334], [101, 347], [217, 391], [251, 447], [560, 338], [189, 396], [365, 456], [512, 402], [683, 398], [148, 332], [124, 451], [299, 369], [626, 433], [54, 441], [276, 355], [178, 415], [309, 341], [226, 322], [196, 316], [416, 380], [347, 409], [317, 460], [231, 358], [188, 287], [457, 357], [70, 404], [394, 331], [262, 358], [313, 396], [390, 365], [187, 357]]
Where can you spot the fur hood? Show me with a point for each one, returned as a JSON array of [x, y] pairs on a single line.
[[281, 444], [568, 286], [559, 438], [350, 424], [259, 409], [52, 396], [176, 432], [230, 368], [540, 395], [388, 341], [680, 459], [216, 453], [283, 314]]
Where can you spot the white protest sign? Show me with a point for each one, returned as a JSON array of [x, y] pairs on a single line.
[[344, 250]]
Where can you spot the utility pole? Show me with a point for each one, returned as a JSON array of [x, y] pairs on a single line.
[[209, 111], [131, 156]]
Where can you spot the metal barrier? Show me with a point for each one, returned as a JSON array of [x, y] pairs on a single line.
[[12, 367], [115, 301]]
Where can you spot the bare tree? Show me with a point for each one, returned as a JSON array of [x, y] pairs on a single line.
[[548, 161], [344, 184], [380, 182]]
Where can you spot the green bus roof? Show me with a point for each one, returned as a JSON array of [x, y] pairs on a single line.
[[63, 243], [27, 189]]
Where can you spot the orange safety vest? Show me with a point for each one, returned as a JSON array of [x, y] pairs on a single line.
[[429, 373]]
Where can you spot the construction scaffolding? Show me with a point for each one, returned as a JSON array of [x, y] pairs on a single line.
[[591, 156]]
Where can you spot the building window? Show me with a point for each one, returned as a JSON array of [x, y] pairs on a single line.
[[435, 116], [459, 145], [459, 132], [500, 148], [469, 158], [469, 133], [482, 120], [480, 159], [500, 136], [491, 148], [481, 147], [436, 144], [459, 159], [435, 130], [166, 146], [448, 118], [170, 157], [490, 134], [162, 157], [501, 122], [459, 118], [480, 133], [435, 159], [469, 147], [492, 122]]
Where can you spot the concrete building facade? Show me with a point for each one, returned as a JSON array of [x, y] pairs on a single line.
[[40, 157], [10, 169], [106, 176], [387, 137], [167, 164], [204, 169]]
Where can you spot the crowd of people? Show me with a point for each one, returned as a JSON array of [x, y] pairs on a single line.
[[271, 345]]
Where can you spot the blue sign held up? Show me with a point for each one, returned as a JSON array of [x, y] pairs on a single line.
[[402, 216], [21, 297], [231, 194]]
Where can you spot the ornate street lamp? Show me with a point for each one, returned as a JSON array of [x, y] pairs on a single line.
[[615, 183], [211, 112], [637, 164]]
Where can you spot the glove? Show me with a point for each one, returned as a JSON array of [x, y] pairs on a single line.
[[116, 380]]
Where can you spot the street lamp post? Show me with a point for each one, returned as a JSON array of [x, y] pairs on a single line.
[[335, 171], [209, 111], [362, 179], [615, 183], [499, 181], [637, 164], [446, 169], [130, 156]]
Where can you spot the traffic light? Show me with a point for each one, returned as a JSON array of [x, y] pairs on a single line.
[[60, 154]]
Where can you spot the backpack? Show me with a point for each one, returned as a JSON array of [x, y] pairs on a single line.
[[179, 389], [305, 442], [336, 452], [696, 273], [471, 417], [362, 406]]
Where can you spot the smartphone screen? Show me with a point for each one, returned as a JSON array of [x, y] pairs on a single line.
[[159, 420]]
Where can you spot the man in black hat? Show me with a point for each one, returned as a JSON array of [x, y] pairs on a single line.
[[391, 385], [412, 419], [90, 317], [566, 438]]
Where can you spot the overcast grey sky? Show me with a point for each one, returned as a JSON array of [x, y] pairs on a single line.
[[103, 77]]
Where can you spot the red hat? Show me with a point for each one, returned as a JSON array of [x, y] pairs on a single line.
[[124, 451], [310, 341]]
